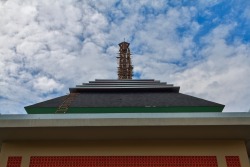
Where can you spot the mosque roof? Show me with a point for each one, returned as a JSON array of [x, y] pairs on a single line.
[[125, 96]]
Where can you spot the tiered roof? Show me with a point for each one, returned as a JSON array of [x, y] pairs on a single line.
[[124, 96]]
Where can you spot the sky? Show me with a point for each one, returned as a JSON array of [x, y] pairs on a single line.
[[47, 46]]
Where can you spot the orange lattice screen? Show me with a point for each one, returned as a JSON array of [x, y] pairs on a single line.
[[123, 161], [233, 161], [14, 161]]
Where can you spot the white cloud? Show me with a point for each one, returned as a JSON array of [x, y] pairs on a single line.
[[204, 3], [46, 85], [223, 76]]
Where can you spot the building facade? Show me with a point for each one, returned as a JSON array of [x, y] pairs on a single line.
[[134, 139], [125, 123]]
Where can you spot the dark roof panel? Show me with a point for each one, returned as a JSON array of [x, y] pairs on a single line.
[[146, 85], [128, 99], [127, 93]]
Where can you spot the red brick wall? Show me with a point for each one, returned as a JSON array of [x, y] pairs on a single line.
[[14, 161], [233, 161], [123, 161]]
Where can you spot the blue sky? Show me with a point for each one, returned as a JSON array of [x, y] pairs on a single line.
[[48, 46]]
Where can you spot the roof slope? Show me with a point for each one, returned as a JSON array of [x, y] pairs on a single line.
[[127, 96]]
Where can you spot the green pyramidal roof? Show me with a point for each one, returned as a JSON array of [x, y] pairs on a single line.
[[124, 96]]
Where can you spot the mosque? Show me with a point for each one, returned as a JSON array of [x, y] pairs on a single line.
[[125, 122]]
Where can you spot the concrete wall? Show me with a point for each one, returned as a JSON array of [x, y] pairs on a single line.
[[220, 149]]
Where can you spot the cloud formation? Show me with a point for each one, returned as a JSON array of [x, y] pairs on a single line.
[[48, 46]]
